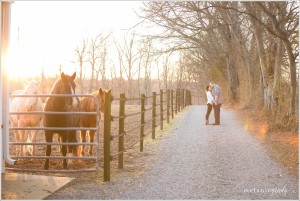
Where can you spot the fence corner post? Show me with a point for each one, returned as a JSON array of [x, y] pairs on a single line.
[[107, 130]]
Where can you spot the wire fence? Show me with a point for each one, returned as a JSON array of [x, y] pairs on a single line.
[[165, 105], [160, 109]]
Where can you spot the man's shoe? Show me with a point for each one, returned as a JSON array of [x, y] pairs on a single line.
[[215, 124]]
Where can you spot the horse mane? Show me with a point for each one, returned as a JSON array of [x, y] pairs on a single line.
[[88, 104], [23, 91], [55, 86], [55, 103]]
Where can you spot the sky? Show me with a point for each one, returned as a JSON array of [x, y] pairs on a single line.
[[46, 33]]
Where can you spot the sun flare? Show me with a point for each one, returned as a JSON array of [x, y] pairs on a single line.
[[40, 40]]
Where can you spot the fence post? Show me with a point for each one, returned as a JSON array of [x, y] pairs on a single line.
[[176, 101], [142, 122], [179, 100], [190, 98], [107, 129], [168, 105], [172, 104], [161, 109], [153, 114], [186, 98], [182, 99], [121, 130]]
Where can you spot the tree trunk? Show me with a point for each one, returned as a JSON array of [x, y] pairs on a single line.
[[277, 73], [80, 76], [261, 90], [292, 62], [249, 65], [233, 79], [92, 79], [263, 67]]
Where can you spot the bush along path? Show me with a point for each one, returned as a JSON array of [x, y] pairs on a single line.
[[195, 161]]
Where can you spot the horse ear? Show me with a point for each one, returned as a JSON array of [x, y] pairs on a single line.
[[100, 91], [74, 75], [63, 77]]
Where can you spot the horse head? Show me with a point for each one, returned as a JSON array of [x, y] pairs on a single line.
[[31, 89], [67, 86], [101, 98]]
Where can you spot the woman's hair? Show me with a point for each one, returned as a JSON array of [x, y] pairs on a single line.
[[207, 88]]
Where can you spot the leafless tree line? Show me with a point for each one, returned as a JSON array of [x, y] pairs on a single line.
[[133, 73], [250, 48]]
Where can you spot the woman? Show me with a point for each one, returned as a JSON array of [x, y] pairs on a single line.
[[210, 101]]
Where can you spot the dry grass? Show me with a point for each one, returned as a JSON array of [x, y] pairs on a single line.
[[283, 146]]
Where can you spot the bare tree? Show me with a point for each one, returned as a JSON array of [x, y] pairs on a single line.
[[80, 54], [95, 51], [102, 65], [249, 46], [120, 80], [147, 59], [284, 25], [130, 55]]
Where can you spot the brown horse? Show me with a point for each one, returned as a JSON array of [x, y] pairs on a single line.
[[65, 85], [88, 104]]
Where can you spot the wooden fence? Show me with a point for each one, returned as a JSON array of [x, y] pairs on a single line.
[[169, 101]]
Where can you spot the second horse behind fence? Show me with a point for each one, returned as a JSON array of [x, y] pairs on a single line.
[[88, 104]]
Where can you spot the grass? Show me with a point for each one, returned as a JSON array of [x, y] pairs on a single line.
[[282, 146]]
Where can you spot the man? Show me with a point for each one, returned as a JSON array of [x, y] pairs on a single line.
[[217, 95]]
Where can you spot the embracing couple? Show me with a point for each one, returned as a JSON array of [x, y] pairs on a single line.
[[214, 100]]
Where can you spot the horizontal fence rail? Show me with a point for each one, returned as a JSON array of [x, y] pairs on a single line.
[[169, 102], [41, 128], [52, 128], [52, 143], [56, 157], [51, 171], [60, 113], [165, 105]]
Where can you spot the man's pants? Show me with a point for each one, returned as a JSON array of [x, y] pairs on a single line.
[[217, 109]]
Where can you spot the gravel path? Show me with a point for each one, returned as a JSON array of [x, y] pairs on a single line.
[[195, 161]]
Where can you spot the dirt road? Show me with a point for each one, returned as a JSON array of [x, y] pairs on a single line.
[[195, 161]]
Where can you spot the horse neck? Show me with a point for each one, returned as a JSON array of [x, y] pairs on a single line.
[[31, 103], [36, 104], [57, 103], [101, 102]]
